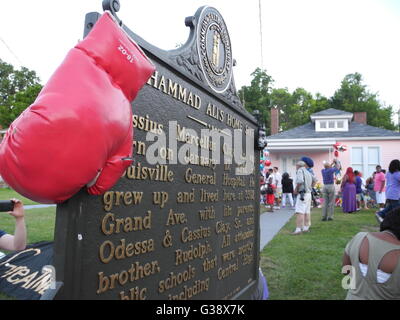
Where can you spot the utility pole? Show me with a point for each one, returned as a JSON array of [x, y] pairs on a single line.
[[261, 38]]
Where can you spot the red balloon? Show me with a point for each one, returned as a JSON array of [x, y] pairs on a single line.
[[267, 163]]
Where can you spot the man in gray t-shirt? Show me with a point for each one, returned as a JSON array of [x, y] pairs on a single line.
[[305, 181]]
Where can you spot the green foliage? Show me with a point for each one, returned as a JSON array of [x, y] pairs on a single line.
[[257, 95], [353, 96], [297, 106], [18, 89]]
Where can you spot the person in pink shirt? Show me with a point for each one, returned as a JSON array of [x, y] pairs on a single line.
[[379, 187]]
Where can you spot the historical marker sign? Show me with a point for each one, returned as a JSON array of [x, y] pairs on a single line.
[[180, 223]]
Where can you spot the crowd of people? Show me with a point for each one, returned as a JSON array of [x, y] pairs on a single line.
[[372, 258], [277, 190], [381, 190]]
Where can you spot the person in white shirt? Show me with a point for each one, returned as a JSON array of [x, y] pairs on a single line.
[[278, 183], [304, 184]]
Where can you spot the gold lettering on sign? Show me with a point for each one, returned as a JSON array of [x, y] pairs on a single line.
[[233, 122], [139, 147], [196, 178], [185, 197], [135, 272], [198, 251], [193, 158], [226, 241], [145, 124], [158, 173], [110, 224], [204, 142], [206, 196], [227, 256], [245, 209], [233, 182], [116, 198], [215, 112], [175, 218], [240, 236], [246, 248], [227, 211], [229, 196], [176, 279], [188, 235], [188, 292], [160, 198], [175, 90], [207, 214], [209, 264], [229, 270], [109, 251], [135, 293]]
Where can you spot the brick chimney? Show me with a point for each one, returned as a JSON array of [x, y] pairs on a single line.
[[274, 121], [360, 117]]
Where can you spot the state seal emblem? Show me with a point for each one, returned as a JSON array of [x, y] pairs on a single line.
[[214, 48]]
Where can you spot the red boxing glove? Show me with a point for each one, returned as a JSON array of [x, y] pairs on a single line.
[[79, 130]]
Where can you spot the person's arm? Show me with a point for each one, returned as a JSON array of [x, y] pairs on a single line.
[[346, 260], [383, 183], [299, 182], [18, 240], [344, 180], [314, 181]]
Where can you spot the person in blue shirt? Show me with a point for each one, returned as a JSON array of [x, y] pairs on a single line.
[[359, 191], [328, 190], [392, 189], [18, 240]]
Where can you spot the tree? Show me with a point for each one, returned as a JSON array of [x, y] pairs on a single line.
[[257, 95], [18, 90], [353, 96]]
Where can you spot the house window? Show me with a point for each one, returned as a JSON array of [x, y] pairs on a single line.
[[331, 125], [365, 159], [357, 158], [373, 159]]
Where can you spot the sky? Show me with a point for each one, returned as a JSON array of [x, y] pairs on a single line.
[[311, 44]]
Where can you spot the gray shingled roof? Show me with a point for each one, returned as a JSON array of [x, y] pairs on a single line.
[[332, 112], [356, 129]]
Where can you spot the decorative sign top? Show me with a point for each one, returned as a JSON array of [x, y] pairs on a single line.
[[215, 50]]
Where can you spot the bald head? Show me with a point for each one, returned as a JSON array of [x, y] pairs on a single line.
[[300, 164]]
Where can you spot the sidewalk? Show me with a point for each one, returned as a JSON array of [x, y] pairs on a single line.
[[271, 223], [37, 206]]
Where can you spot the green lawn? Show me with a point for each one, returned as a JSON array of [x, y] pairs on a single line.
[[7, 194], [307, 266]]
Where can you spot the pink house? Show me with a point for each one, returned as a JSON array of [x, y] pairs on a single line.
[[367, 146]]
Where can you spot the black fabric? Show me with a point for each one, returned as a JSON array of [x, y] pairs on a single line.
[[2, 233], [21, 274], [287, 185]]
